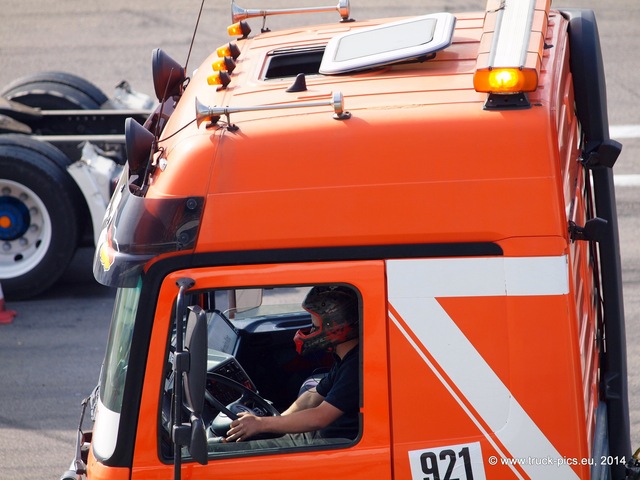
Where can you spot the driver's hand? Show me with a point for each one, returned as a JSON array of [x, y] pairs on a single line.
[[244, 427]]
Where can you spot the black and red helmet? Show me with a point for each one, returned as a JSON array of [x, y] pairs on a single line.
[[336, 310]]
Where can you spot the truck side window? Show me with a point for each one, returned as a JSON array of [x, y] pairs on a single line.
[[283, 368]]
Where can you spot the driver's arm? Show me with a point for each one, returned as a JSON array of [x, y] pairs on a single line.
[[308, 399], [310, 412]]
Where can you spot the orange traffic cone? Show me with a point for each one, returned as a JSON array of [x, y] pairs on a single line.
[[6, 316]]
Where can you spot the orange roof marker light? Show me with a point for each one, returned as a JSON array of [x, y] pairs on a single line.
[[511, 51], [228, 50], [220, 79], [239, 29], [224, 64]]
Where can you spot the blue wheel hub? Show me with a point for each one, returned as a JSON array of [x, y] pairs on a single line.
[[14, 218]]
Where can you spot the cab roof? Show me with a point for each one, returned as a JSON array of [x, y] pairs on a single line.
[[420, 160]]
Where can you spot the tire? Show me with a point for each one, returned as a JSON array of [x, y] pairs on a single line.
[[42, 148], [39, 220], [56, 156], [55, 91]]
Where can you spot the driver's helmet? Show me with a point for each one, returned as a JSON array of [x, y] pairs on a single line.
[[336, 309]]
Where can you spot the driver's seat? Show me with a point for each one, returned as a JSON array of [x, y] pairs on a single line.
[[313, 380]]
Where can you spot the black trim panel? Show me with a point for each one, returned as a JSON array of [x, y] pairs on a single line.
[[333, 254], [591, 101]]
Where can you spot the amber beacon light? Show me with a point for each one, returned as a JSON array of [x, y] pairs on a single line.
[[511, 46]]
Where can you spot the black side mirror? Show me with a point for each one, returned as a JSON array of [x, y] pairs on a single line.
[[190, 373], [195, 380]]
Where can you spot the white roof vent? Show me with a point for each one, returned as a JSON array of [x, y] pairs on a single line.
[[388, 43]]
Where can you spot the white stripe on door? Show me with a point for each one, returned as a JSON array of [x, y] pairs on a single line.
[[412, 288]]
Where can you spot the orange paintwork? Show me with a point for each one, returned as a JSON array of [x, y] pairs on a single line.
[[98, 471], [529, 350], [372, 454], [419, 161], [285, 161]]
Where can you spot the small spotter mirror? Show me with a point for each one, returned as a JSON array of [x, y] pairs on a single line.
[[168, 75], [138, 144]]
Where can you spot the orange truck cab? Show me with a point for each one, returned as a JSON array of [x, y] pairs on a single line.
[[453, 172]]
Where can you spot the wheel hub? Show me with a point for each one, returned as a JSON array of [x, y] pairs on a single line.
[[14, 218], [25, 229]]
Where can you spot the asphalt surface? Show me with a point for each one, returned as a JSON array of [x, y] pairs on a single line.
[[50, 356]]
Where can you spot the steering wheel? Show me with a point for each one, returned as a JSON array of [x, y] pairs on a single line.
[[249, 402]]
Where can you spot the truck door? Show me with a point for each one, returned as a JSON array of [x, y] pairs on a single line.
[[252, 344]]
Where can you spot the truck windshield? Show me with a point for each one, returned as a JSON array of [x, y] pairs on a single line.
[[114, 369]]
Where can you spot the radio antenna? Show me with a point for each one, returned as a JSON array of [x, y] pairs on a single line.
[[193, 37]]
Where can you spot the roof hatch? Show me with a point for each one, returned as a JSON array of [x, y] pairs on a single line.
[[388, 43], [289, 62]]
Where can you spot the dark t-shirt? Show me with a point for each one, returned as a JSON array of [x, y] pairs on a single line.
[[341, 388]]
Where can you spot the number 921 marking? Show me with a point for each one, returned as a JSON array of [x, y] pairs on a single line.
[[454, 462]]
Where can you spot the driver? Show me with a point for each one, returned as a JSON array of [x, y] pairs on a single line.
[[328, 412]]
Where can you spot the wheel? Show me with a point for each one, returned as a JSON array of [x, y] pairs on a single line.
[[55, 91], [39, 220]]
